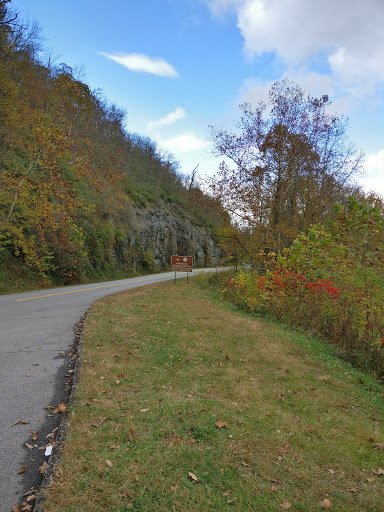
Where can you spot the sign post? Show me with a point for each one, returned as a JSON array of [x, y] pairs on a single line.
[[182, 264]]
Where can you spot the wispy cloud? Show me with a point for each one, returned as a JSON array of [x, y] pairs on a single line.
[[143, 63], [186, 142], [172, 117]]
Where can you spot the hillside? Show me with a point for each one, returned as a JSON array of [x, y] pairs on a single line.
[[80, 196]]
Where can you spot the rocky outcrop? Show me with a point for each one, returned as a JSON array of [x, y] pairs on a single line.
[[166, 232]]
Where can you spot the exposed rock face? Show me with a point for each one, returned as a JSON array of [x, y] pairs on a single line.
[[166, 233]]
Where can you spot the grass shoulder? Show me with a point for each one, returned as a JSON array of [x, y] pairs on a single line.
[[186, 404]]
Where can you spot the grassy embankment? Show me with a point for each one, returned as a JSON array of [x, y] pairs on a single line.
[[186, 404]]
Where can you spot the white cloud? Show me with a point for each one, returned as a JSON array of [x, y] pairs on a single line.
[[373, 179], [374, 164], [347, 34], [143, 63], [172, 117], [182, 143]]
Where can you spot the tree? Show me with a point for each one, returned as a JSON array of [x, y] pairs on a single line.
[[286, 165]]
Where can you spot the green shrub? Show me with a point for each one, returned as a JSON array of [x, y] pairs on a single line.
[[330, 283]]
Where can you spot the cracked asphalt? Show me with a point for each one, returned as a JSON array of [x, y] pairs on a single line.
[[37, 332]]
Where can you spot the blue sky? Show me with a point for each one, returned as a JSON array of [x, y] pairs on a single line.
[[178, 66]]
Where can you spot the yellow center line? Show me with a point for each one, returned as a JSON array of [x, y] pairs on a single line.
[[86, 289]]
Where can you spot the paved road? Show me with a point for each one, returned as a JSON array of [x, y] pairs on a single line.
[[36, 335]]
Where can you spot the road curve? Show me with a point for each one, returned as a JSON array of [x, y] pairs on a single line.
[[36, 336]]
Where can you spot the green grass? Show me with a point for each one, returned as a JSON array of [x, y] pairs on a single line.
[[162, 366]]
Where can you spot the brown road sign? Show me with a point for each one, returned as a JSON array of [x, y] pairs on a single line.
[[182, 263]]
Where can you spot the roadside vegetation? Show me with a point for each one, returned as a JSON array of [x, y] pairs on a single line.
[[186, 403], [328, 283]]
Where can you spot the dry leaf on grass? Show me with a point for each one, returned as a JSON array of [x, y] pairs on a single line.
[[99, 422], [380, 471], [144, 410], [221, 424], [193, 477], [285, 505], [109, 463], [324, 378], [379, 446], [326, 504]]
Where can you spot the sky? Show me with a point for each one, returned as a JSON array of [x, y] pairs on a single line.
[[177, 67]]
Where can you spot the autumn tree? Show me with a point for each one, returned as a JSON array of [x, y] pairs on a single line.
[[285, 166]]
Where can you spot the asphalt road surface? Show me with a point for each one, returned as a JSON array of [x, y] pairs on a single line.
[[37, 331]]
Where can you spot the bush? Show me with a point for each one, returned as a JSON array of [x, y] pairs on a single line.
[[330, 283]]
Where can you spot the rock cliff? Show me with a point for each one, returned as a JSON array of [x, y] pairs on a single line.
[[165, 232]]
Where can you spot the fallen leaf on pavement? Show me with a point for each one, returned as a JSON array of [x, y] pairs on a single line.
[[29, 446], [22, 470], [20, 423], [42, 469], [16, 508], [62, 408]]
